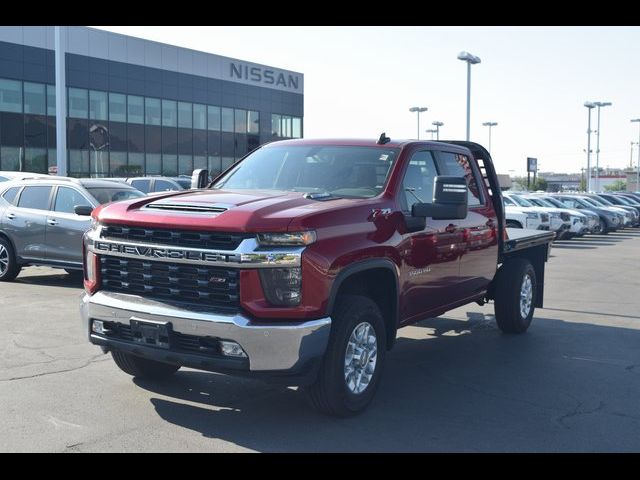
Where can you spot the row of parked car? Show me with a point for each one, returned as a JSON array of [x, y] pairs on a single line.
[[572, 214]]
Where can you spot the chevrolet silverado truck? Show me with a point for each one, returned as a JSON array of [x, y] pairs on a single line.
[[300, 262]]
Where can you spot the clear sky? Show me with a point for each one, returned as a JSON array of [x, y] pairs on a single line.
[[533, 81]]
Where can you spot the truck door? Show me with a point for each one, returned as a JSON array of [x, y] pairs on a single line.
[[430, 266], [479, 257]]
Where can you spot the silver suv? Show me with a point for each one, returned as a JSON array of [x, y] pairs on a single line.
[[42, 220]]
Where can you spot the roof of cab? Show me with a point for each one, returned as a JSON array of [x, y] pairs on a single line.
[[357, 142]]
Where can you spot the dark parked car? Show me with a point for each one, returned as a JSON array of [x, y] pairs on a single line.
[[42, 220], [156, 184], [610, 220]]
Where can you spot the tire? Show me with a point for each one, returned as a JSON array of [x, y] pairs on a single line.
[[9, 268], [513, 224], [330, 393], [141, 367], [509, 287], [603, 227]]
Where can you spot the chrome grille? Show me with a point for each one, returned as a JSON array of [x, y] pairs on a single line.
[[182, 238], [203, 285]]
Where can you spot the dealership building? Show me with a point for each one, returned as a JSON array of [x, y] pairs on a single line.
[[133, 106]]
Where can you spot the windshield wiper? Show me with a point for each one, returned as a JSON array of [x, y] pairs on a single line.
[[412, 192]]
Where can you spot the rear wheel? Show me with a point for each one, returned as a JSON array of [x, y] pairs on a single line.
[[9, 268], [141, 367], [515, 296], [350, 373]]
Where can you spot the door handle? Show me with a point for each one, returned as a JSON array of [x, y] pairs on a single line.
[[52, 221], [11, 216]]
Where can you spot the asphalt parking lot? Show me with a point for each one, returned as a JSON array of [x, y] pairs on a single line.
[[454, 383]]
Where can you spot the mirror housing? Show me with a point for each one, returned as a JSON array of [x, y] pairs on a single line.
[[449, 200], [84, 210], [199, 178]]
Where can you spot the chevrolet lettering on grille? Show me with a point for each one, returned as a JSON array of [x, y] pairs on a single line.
[[161, 252]]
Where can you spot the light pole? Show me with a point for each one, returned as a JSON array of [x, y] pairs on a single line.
[[437, 124], [418, 110], [431, 131], [599, 104], [638, 166], [490, 124], [631, 154], [471, 60], [589, 105]]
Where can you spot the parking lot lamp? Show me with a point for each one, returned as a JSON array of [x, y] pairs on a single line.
[[471, 60], [418, 110], [599, 104], [589, 105], [437, 124], [490, 124], [638, 166]]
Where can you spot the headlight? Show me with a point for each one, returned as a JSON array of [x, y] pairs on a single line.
[[287, 239], [282, 286], [532, 215]]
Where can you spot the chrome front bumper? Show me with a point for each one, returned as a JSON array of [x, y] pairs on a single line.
[[273, 346]]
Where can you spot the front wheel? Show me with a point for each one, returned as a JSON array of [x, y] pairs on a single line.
[[603, 227], [350, 373], [515, 296]]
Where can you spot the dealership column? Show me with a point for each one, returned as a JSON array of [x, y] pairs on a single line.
[[61, 102]]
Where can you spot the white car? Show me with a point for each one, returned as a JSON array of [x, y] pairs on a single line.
[[524, 217], [592, 219], [556, 222], [575, 223]]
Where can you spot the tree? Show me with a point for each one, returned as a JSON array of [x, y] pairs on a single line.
[[615, 186], [539, 184]]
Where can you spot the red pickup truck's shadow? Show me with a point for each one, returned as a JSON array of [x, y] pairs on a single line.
[[463, 387], [61, 279]]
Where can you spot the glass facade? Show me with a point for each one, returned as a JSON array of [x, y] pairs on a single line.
[[114, 134]]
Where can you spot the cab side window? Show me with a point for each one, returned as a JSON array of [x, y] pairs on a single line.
[[418, 180], [164, 186], [457, 165], [35, 197]]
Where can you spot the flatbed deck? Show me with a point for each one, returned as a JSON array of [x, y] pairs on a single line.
[[521, 238]]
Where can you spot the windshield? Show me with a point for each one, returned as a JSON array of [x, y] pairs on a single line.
[[588, 202], [345, 171], [619, 200], [113, 194], [555, 202], [601, 201], [543, 202], [521, 201]]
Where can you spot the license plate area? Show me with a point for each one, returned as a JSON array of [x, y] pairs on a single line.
[[151, 334]]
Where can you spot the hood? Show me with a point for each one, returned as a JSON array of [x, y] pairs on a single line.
[[226, 210]]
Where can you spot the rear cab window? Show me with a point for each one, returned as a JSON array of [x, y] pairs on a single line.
[[459, 165]]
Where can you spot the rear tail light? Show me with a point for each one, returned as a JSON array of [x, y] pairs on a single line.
[[91, 271]]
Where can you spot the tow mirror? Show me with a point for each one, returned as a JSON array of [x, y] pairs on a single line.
[[84, 210], [199, 178], [449, 200]]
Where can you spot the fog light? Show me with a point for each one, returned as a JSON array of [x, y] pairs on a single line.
[[231, 349], [98, 327]]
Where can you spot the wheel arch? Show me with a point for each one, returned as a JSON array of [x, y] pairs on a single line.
[[376, 279]]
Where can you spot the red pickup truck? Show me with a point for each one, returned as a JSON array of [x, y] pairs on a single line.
[[300, 262]]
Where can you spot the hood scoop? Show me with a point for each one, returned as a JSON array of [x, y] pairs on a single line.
[[187, 207]]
